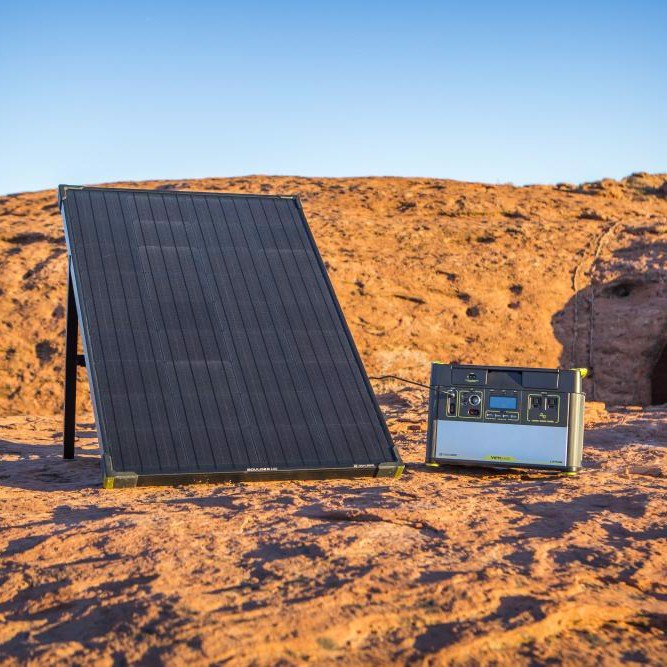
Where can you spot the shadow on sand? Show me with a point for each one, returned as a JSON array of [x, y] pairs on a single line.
[[41, 467]]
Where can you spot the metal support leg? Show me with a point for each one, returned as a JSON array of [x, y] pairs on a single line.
[[71, 342]]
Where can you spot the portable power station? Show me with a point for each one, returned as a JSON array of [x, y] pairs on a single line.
[[505, 417]]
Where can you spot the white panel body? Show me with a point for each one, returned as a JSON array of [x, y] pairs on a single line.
[[500, 443]]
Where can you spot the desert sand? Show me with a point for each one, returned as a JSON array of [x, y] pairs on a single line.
[[438, 567], [446, 566]]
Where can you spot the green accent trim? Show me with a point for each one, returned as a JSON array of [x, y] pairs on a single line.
[[499, 458], [114, 479], [389, 469]]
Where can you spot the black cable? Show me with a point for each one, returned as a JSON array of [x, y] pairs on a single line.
[[444, 392], [398, 377]]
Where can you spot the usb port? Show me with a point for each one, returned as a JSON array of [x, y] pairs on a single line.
[[535, 401], [552, 402]]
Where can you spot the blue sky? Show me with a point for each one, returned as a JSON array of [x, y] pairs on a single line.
[[516, 91]]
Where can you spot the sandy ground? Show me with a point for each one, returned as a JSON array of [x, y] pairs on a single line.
[[439, 567]]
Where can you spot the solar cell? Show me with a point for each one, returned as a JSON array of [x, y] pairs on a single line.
[[215, 346]]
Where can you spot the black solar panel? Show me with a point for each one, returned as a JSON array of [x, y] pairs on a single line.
[[215, 346]]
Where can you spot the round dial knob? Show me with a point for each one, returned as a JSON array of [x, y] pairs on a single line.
[[475, 400]]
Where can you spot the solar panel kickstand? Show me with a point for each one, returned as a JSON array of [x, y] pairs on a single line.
[[72, 360]]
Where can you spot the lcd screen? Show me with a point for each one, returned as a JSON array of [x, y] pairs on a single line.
[[503, 402]]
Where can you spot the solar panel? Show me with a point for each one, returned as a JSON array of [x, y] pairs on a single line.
[[215, 346]]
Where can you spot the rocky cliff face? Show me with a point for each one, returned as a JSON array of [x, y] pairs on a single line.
[[425, 270]]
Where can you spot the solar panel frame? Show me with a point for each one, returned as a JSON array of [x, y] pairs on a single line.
[[119, 287]]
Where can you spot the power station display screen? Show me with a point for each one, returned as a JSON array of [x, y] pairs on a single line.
[[503, 402]]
